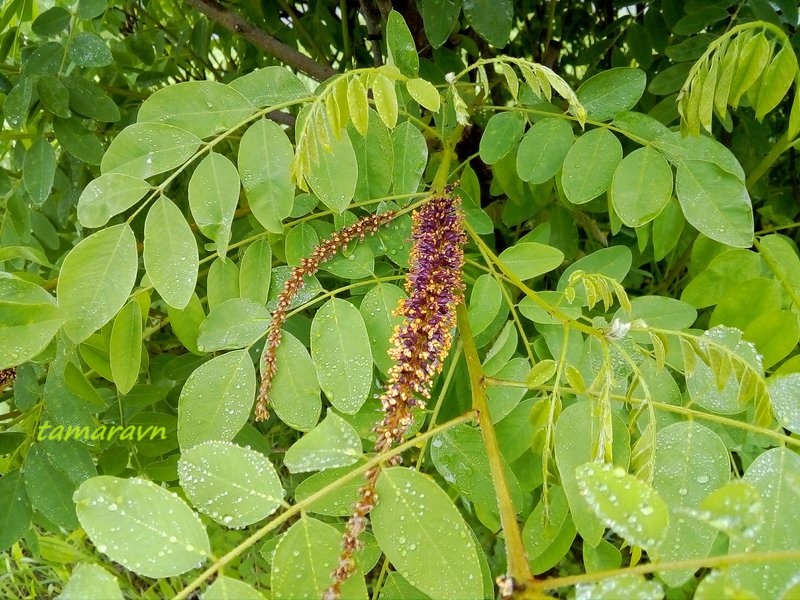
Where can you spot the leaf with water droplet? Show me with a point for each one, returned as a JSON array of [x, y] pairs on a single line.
[[332, 443], [139, 524], [90, 582]]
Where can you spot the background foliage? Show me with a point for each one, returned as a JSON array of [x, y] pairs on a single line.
[[617, 414]]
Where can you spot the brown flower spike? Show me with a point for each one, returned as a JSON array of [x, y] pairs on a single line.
[[308, 266], [420, 344]]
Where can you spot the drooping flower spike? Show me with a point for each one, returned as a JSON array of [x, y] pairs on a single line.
[[419, 346], [308, 266]]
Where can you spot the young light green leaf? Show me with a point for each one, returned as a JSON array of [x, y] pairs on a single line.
[[265, 160], [125, 347], [531, 259], [424, 93], [543, 149], [255, 271], [385, 99], [420, 531], [216, 399], [589, 165], [170, 253], [304, 559], [777, 79], [107, 196], [402, 50], [334, 175], [295, 394], [108, 259], [502, 134], [39, 170], [750, 67], [611, 92], [146, 149], [341, 351], [213, 197], [641, 186], [201, 107], [235, 486], [332, 443], [235, 323], [127, 518]]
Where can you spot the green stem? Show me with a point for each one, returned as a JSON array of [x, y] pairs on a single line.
[[518, 566], [782, 144]]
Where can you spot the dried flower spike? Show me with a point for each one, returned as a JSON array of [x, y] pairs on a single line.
[[7, 376], [308, 266], [420, 344]]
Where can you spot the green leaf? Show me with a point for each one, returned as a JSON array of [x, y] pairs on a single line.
[[186, 323], [54, 96], [374, 154], [90, 582], [303, 562], [611, 92], [715, 202], [548, 532], [147, 149], [39, 170], [439, 18], [385, 97], [358, 104], [734, 509], [216, 400], [783, 393], [235, 486], [690, 462], [213, 197], [752, 61], [236, 323], [295, 393], [255, 271], [265, 160], [76, 139], [543, 149], [332, 443], [333, 177], [29, 319], [89, 50], [502, 134], [622, 586], [144, 527], [336, 503], [486, 302], [402, 50], [721, 277], [662, 312], [774, 474], [746, 302], [226, 588], [459, 454], [87, 98], [377, 309], [49, 489], [502, 400], [50, 22], [200, 107], [531, 259], [420, 531], [397, 588], [576, 438], [502, 350], [641, 186], [125, 347], [491, 19], [16, 508], [627, 505], [108, 259], [170, 253], [424, 93], [777, 80], [342, 356], [222, 283], [590, 165], [269, 86], [89, 9], [775, 334], [107, 196], [410, 153]]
